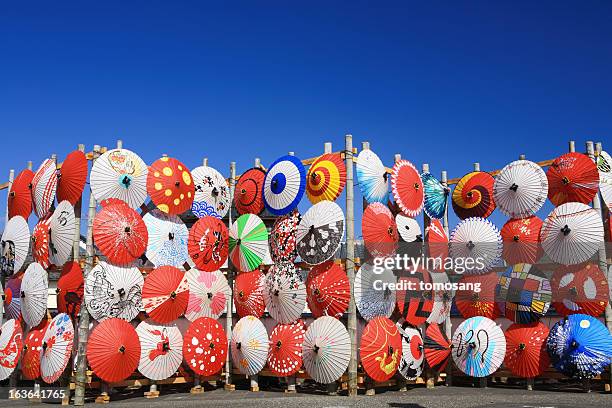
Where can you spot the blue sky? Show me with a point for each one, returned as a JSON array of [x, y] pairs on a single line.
[[447, 84]]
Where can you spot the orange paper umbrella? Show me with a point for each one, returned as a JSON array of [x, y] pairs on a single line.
[[379, 230], [526, 354], [113, 350], [407, 188], [478, 297], [70, 289], [208, 243], [285, 351], [572, 177], [248, 195], [32, 347], [20, 195], [165, 294], [381, 348], [205, 346], [579, 289], [521, 238], [72, 177], [248, 294], [40, 242], [473, 195], [327, 290], [326, 178], [170, 185], [437, 348]]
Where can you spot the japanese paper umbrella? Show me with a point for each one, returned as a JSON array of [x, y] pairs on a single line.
[[20, 195], [379, 230], [205, 346], [113, 292], [408, 229], [32, 348], [326, 178], [407, 188], [411, 362], [526, 354], [521, 238], [34, 294], [61, 233], [327, 290], [11, 344], [320, 232], [208, 243], [248, 242], [15, 245], [212, 194], [285, 350], [479, 347], [473, 195], [249, 345], [248, 193], [580, 289], [40, 242], [572, 177], [170, 185], [372, 177], [525, 292], [44, 185], [442, 295], [478, 239], [437, 240], [437, 348], [284, 292], [161, 350], [208, 294], [165, 294], [168, 238], [435, 196], [284, 185], [604, 166], [122, 174], [248, 294], [282, 238], [371, 299], [520, 189], [12, 297], [471, 302], [572, 233], [113, 350], [414, 303], [70, 289], [56, 348], [380, 349], [326, 349], [72, 176]]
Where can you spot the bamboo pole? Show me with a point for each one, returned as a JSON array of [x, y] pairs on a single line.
[[350, 264], [572, 146], [205, 162], [448, 325], [230, 280]]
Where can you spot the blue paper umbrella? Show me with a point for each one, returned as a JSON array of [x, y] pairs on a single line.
[[479, 346], [372, 177], [580, 346], [284, 185], [435, 196]]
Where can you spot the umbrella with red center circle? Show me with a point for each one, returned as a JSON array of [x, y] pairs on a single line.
[[327, 290], [414, 302], [572, 177], [248, 294], [437, 348], [208, 243], [56, 348], [381, 348], [379, 230], [283, 237], [326, 178], [248, 194], [113, 350], [32, 348], [20, 195], [411, 364], [170, 185], [70, 289], [44, 185], [11, 344], [161, 351], [473, 195], [40, 242], [165, 294], [208, 294], [72, 177], [285, 351], [580, 289], [521, 237], [407, 188], [205, 346], [481, 302], [437, 240], [526, 354], [12, 297]]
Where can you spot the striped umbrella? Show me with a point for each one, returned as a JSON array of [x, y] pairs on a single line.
[[170, 185], [285, 350], [320, 232], [372, 177], [435, 196], [380, 349], [34, 294], [326, 178], [283, 242], [248, 193], [207, 245], [56, 348], [249, 345], [284, 185], [437, 348], [520, 189], [248, 294], [165, 294], [44, 186], [411, 363], [326, 349], [72, 177], [580, 289], [248, 242], [11, 344], [478, 239], [212, 194], [526, 349], [161, 350], [20, 195], [61, 233], [521, 238], [284, 292], [604, 166], [525, 292], [15, 245], [572, 177], [479, 347], [168, 238], [208, 294], [327, 290], [473, 195], [371, 299]]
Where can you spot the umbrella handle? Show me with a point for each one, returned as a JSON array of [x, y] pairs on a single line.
[[566, 230], [279, 344], [513, 187]]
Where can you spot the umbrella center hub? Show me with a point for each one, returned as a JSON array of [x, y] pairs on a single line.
[[239, 345], [170, 236], [566, 230], [166, 346], [279, 344], [470, 245], [125, 181], [173, 295], [215, 192], [127, 230], [317, 292], [469, 194], [209, 295], [241, 294], [212, 345], [121, 292], [516, 238], [279, 181], [565, 181], [177, 183], [22, 294], [238, 242], [12, 194], [390, 231], [522, 346], [417, 186], [276, 292], [121, 349], [514, 187], [316, 349], [243, 191]]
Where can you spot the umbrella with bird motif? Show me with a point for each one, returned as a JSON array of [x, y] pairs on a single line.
[[435, 196], [15, 245], [479, 347], [61, 233], [580, 289], [283, 241], [526, 354], [285, 349], [44, 186], [320, 232], [248, 242], [521, 238], [170, 185], [372, 177], [327, 290], [604, 166], [525, 293], [20, 195], [11, 344], [379, 230], [411, 363], [32, 348], [248, 294], [161, 350], [407, 188], [284, 292], [248, 193], [212, 194], [34, 294], [165, 294], [372, 294], [208, 243], [70, 289], [473, 195], [478, 239], [56, 348], [478, 302], [208, 294], [168, 238], [437, 348], [572, 177], [71, 177], [326, 178], [284, 185], [380, 349], [249, 345], [326, 350], [520, 189], [205, 346]]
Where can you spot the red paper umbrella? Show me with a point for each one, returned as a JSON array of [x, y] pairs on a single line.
[[379, 230], [521, 238], [70, 289], [112, 200], [472, 302], [120, 233], [165, 294], [248, 195], [205, 346], [526, 354], [437, 241], [413, 301], [170, 185], [20, 195], [12, 297], [72, 177], [473, 195], [113, 350], [285, 351], [248, 294], [580, 289], [437, 348], [407, 188], [381, 348], [327, 290], [208, 243], [32, 347], [40, 242], [572, 177]]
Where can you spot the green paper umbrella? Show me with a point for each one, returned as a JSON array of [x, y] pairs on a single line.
[[248, 242]]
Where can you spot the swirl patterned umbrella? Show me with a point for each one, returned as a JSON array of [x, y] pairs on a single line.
[[320, 232], [168, 238], [15, 245], [249, 345], [326, 349], [61, 233], [284, 292], [526, 349], [372, 177], [414, 303], [32, 348], [248, 294], [212, 194], [380, 349], [478, 239], [248, 193], [373, 299], [580, 289], [408, 229], [285, 349], [283, 237], [435, 196], [12, 297], [205, 346], [161, 350], [326, 178], [44, 186], [327, 290], [248, 242], [520, 189], [521, 238], [284, 185], [479, 347], [572, 177], [165, 294], [40, 242], [11, 344], [20, 195], [437, 348], [379, 230], [208, 243], [56, 348], [208, 294], [471, 303], [604, 166], [473, 195], [72, 176], [411, 363], [407, 188], [170, 185], [70, 289], [525, 292], [34, 294]]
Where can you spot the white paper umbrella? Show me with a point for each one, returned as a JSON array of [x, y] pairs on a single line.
[[15, 245], [61, 233], [284, 292], [572, 233], [168, 237], [442, 296], [604, 166], [120, 173], [34, 294], [284, 185], [208, 294], [476, 239], [479, 346], [326, 350], [320, 232], [411, 364], [520, 189], [44, 186], [56, 348], [373, 295], [212, 195], [113, 291], [372, 177], [249, 345], [161, 350], [408, 228], [11, 344]]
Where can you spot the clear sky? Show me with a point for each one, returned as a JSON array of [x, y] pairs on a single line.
[[448, 84]]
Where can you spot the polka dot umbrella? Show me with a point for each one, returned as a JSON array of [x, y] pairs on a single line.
[[161, 350], [212, 194], [520, 189], [248, 294], [580, 289], [170, 185], [284, 292], [326, 178], [248, 193], [320, 232], [284, 185], [525, 292], [372, 177], [326, 349], [11, 344], [327, 290], [521, 238], [44, 186], [20, 195], [208, 294], [379, 230], [205, 346], [407, 188], [32, 348], [249, 345], [61, 233], [248, 242], [435, 196], [526, 349], [372, 294], [437, 348], [572, 177], [473, 195], [56, 348], [477, 239], [15, 245], [72, 176], [165, 294], [283, 242], [380, 349], [208, 243], [604, 166], [168, 237], [479, 347], [34, 294], [285, 349], [411, 363], [70, 289]]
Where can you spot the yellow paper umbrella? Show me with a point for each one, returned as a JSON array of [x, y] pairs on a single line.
[[326, 178]]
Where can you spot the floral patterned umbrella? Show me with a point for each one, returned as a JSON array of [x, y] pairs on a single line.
[[56, 348], [282, 238], [249, 345], [11, 344], [168, 238], [284, 292], [208, 294]]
